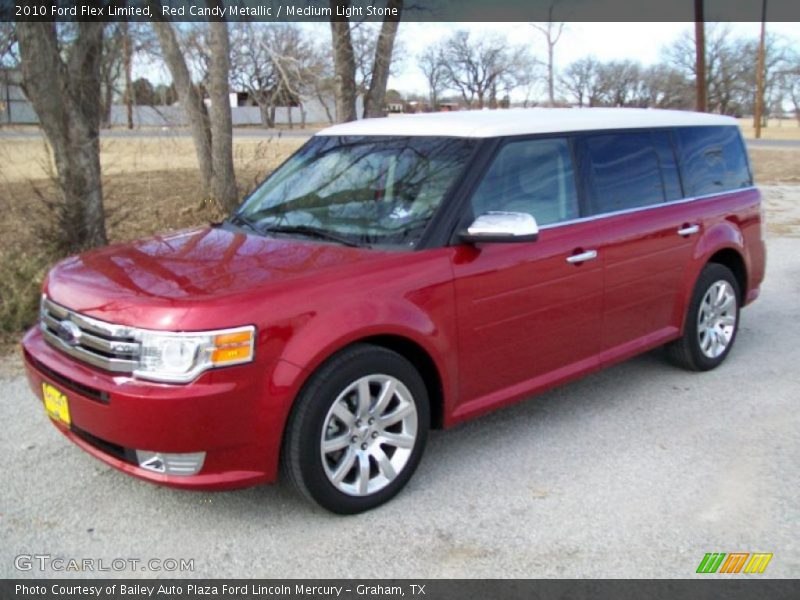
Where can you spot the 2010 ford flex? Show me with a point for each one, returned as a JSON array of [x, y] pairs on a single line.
[[395, 275]]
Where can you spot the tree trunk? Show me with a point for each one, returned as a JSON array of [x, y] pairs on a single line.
[[266, 117], [127, 58], [223, 180], [374, 99], [325, 107], [66, 96], [344, 65], [551, 95], [190, 98], [108, 102]]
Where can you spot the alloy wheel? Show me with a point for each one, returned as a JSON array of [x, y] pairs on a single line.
[[716, 319], [368, 434]]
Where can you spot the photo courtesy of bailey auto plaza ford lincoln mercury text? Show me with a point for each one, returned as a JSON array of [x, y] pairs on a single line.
[[372, 298]]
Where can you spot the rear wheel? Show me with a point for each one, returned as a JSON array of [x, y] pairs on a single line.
[[712, 321], [358, 430]]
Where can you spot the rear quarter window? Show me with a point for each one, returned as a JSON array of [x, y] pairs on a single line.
[[712, 160]]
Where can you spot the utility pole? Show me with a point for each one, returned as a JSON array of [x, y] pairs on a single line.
[[760, 73], [700, 56]]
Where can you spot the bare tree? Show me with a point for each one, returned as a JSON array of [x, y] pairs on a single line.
[[619, 82], [190, 97], [723, 67], [431, 63], [477, 68], [278, 65], [211, 130], [580, 81], [346, 66], [252, 67], [664, 86], [63, 84], [776, 61], [223, 180], [374, 98], [110, 69], [127, 62], [791, 83], [552, 33]]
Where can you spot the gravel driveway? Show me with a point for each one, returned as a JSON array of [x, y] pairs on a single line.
[[636, 471]]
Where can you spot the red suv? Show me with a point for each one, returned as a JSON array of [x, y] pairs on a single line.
[[395, 275]]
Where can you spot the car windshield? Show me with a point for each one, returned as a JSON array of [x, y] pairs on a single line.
[[361, 190]]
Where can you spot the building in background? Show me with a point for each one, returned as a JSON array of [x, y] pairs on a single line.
[[15, 109]]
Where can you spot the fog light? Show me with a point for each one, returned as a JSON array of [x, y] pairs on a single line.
[[171, 464]]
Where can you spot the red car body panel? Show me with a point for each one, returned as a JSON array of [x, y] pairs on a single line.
[[498, 321]]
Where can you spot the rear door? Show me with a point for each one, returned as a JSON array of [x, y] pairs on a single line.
[[529, 313], [632, 181]]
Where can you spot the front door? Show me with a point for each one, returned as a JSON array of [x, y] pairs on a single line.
[[529, 313]]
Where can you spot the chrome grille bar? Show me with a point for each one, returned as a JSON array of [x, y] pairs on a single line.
[[100, 344]]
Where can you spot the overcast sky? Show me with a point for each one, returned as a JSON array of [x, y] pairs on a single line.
[[606, 41]]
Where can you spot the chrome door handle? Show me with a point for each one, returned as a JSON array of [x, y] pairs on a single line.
[[582, 257], [689, 230]]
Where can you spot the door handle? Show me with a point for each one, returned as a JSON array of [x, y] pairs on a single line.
[[688, 229], [582, 257]]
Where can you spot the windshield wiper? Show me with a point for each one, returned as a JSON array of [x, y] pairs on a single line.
[[241, 221], [311, 231]]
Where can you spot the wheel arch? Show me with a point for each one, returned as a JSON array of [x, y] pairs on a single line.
[[423, 362], [733, 260], [413, 351]]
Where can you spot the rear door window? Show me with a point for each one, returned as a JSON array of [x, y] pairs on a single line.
[[624, 171], [713, 160]]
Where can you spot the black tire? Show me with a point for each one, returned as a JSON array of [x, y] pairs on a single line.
[[302, 460], [686, 352]]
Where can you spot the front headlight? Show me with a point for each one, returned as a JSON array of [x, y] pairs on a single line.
[[180, 357]]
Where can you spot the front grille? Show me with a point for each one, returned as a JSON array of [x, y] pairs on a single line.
[[100, 344]]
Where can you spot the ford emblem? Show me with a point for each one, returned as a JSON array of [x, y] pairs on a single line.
[[69, 333]]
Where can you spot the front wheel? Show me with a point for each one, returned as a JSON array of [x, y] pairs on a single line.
[[712, 321], [358, 430]]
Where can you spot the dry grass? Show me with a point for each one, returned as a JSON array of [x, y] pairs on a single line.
[[776, 129], [775, 165], [149, 184]]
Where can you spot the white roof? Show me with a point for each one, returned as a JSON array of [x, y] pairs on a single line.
[[520, 121]]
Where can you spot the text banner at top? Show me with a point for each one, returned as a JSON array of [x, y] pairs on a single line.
[[408, 10]]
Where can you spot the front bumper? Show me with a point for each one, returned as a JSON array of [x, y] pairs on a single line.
[[235, 415]]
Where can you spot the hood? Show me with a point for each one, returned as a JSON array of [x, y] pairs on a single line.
[[123, 283]]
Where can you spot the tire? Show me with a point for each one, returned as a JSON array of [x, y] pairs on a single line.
[[708, 336], [371, 407]]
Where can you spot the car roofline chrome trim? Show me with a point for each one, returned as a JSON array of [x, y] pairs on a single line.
[[643, 208]]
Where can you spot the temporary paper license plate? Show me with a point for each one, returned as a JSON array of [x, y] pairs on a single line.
[[55, 403]]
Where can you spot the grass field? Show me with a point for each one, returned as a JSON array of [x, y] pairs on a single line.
[[152, 185], [776, 129]]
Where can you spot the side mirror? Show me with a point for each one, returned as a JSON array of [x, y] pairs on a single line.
[[501, 227]]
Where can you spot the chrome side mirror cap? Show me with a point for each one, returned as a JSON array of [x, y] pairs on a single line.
[[501, 227]]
